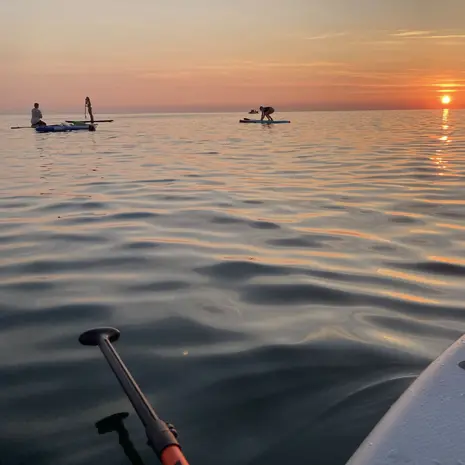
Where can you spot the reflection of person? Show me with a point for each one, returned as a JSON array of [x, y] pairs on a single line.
[[267, 111], [36, 116]]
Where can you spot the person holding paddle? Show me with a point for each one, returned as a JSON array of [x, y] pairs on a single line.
[[36, 117], [88, 109], [266, 111]]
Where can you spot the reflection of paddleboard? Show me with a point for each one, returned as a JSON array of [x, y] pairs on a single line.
[[247, 120], [63, 128], [425, 426]]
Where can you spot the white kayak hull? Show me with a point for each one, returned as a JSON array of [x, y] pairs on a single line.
[[426, 425]]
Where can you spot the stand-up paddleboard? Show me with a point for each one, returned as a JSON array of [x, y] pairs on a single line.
[[426, 425], [88, 121], [257, 121], [64, 128]]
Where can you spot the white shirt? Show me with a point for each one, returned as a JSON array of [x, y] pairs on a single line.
[[36, 115]]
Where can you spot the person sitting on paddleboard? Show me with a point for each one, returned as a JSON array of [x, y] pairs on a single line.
[[266, 111], [36, 117]]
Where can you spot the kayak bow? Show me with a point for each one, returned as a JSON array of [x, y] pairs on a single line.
[[425, 425]]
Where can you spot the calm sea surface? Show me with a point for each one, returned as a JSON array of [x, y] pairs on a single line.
[[276, 288]]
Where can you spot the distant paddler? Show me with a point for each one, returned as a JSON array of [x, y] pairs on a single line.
[[36, 117], [88, 109]]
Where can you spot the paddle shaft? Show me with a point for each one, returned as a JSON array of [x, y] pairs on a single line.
[[160, 437]]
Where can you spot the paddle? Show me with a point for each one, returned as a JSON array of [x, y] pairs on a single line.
[[33, 127], [161, 436]]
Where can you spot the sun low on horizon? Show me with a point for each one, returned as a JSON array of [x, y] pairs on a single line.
[[446, 99]]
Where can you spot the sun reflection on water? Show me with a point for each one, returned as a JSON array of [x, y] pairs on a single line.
[[440, 157]]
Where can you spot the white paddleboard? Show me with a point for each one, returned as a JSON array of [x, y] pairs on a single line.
[[426, 426], [265, 121]]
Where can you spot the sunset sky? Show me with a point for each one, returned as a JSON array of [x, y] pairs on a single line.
[[177, 55]]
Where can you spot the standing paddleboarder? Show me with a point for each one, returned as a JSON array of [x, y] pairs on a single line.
[[88, 109]]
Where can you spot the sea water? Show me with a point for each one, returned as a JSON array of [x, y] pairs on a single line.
[[276, 287]]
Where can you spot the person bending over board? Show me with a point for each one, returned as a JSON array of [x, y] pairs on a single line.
[[266, 111], [36, 117]]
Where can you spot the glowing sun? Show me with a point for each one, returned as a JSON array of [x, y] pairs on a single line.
[[445, 99]]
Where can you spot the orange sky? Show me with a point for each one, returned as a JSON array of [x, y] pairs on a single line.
[[222, 55]]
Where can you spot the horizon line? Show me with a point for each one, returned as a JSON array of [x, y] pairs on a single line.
[[141, 111]]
